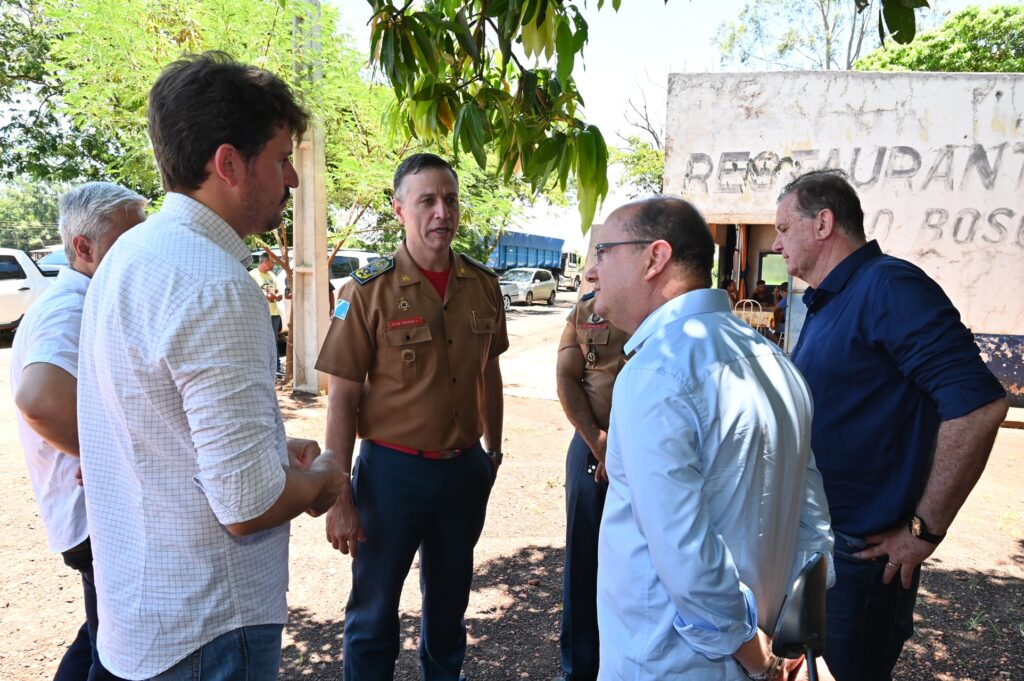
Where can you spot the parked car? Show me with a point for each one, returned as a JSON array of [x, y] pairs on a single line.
[[53, 261], [21, 282], [527, 284]]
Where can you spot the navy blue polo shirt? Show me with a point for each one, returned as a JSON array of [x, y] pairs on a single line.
[[887, 360]]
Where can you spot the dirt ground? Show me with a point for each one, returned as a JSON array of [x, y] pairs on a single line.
[[970, 615]]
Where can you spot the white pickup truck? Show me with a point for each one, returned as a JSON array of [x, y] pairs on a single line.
[[21, 282]]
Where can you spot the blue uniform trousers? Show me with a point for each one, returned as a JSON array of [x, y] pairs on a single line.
[[867, 621], [584, 503], [81, 661], [405, 503]]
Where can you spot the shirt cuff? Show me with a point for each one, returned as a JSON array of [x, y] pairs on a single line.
[[715, 642]]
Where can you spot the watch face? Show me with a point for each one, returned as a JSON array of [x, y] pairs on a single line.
[[915, 526]]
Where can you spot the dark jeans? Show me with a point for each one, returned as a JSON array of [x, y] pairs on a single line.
[[275, 323], [584, 503], [407, 503], [81, 661], [868, 621]]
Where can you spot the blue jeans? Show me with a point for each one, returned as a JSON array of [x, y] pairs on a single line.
[[244, 654], [867, 621], [407, 503], [81, 661], [584, 503]]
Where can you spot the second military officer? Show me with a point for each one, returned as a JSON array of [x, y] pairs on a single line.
[[413, 356], [590, 356]]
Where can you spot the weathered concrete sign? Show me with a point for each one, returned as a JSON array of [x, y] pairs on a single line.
[[938, 160]]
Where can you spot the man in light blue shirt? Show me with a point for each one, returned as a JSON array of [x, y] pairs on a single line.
[[714, 501]]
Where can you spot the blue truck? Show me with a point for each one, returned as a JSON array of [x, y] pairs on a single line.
[[518, 249]]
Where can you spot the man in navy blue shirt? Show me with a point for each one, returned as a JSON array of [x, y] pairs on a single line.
[[905, 414]]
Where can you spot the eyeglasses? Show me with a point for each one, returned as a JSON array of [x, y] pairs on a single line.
[[599, 249]]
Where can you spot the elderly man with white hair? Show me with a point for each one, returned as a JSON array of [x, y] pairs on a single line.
[[44, 381]]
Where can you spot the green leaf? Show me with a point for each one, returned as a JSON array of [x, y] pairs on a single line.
[[426, 48], [564, 44], [900, 21], [465, 35], [497, 8]]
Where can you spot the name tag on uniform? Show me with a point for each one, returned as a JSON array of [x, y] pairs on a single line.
[[594, 326], [341, 309], [402, 323]]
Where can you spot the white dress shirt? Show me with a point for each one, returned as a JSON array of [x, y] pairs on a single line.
[[49, 334], [714, 501], [180, 434]]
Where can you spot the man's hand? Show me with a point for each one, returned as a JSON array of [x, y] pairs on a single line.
[[598, 443], [796, 670], [903, 553], [601, 473], [344, 531], [302, 452], [337, 479]]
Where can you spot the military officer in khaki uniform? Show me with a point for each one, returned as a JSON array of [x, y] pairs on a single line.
[[590, 356], [413, 356]]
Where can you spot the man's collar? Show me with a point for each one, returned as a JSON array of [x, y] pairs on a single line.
[[699, 301], [409, 272], [73, 279], [201, 219], [840, 276]]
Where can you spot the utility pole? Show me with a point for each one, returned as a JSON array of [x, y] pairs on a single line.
[[310, 316]]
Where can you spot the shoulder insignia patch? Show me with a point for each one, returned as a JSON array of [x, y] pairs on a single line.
[[374, 269], [479, 265], [588, 296]]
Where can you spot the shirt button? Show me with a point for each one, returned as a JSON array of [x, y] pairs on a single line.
[[444, 307], [453, 379], [449, 341]]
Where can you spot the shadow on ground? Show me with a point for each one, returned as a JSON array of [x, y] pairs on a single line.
[[518, 634], [968, 625]]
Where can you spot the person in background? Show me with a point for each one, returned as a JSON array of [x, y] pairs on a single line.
[[264, 277], [730, 288], [44, 381], [762, 295], [191, 481], [906, 415], [590, 356], [714, 502]]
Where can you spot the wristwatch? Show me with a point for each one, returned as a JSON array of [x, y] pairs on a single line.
[[769, 674], [496, 456], [920, 530]]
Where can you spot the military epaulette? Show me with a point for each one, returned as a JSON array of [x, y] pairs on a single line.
[[588, 296], [374, 269], [479, 265]]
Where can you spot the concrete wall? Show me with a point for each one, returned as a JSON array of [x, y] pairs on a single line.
[[938, 160]]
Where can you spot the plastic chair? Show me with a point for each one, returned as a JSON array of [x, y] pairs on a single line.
[[800, 629], [747, 305]]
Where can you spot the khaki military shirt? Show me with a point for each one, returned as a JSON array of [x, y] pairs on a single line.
[[420, 359], [602, 346]]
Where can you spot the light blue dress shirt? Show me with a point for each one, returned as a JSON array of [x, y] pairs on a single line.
[[714, 501]]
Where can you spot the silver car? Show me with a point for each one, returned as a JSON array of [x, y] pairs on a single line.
[[526, 285]]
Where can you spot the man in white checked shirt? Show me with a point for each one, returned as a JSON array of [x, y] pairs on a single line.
[[190, 479]]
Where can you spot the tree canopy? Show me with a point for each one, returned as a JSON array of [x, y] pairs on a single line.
[[972, 40]]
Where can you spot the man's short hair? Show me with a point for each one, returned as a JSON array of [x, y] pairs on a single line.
[[821, 189], [784, 286], [680, 224], [203, 101], [264, 257], [414, 164], [87, 211], [760, 281]]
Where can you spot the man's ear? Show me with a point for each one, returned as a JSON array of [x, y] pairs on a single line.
[[825, 224], [396, 206], [658, 259], [83, 248], [227, 164]]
